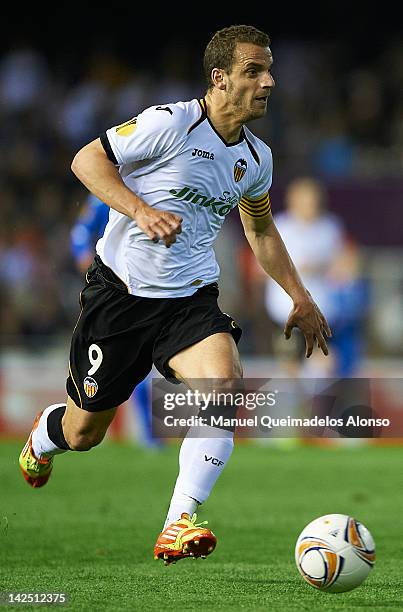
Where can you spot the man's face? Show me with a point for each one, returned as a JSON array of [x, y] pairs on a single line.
[[250, 82]]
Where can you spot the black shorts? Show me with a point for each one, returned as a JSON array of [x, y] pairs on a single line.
[[118, 336]]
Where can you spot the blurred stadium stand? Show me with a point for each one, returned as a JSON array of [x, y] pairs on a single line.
[[335, 114]]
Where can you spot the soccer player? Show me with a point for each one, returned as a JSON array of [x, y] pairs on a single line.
[[170, 176], [314, 239]]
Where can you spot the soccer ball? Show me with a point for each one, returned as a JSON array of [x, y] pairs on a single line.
[[335, 553]]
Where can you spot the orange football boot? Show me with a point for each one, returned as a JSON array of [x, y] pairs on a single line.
[[184, 538], [35, 471]]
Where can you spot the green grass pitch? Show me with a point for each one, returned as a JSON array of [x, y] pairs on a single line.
[[91, 530]]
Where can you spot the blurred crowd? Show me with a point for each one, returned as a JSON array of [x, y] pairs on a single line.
[[334, 115]]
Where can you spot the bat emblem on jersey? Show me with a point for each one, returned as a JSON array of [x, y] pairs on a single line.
[[90, 386], [240, 167], [165, 108]]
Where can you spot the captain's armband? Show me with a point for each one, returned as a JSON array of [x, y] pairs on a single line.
[[256, 208]]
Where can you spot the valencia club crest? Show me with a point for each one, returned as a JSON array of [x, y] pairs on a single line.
[[240, 167]]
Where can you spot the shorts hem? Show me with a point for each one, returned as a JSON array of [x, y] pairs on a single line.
[[100, 406]]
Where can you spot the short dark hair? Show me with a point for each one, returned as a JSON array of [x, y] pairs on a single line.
[[219, 52]]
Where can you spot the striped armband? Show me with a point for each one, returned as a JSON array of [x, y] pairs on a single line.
[[255, 208]]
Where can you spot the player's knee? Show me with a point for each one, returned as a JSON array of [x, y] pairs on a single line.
[[84, 441], [229, 374]]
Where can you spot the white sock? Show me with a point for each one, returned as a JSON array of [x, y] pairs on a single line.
[[180, 502], [201, 461], [42, 445]]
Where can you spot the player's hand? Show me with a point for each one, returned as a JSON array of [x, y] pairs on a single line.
[[307, 316], [159, 224]]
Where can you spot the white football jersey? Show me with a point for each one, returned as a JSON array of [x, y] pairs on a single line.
[[313, 247], [172, 157]]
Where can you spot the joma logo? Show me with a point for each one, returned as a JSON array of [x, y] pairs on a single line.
[[201, 153], [213, 460]]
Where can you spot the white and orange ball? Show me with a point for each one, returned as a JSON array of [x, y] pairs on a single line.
[[335, 553]]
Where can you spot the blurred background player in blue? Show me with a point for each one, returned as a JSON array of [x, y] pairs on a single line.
[[90, 226], [350, 297]]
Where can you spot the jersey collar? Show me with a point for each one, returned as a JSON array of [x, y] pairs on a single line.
[[241, 138]]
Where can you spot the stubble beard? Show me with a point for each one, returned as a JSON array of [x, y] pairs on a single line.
[[244, 114], [239, 110]]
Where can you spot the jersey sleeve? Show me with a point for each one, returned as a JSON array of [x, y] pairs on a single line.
[[256, 201], [151, 134]]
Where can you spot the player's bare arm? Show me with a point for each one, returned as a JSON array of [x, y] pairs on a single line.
[[271, 253], [92, 166]]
